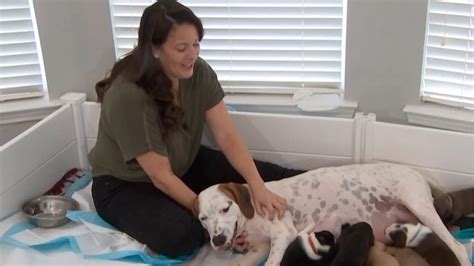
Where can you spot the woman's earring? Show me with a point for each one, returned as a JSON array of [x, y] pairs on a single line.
[[156, 54]]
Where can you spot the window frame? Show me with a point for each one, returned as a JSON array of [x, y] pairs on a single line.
[[433, 97], [17, 94]]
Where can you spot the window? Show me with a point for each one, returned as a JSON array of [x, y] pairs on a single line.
[[258, 46], [449, 53], [126, 16], [21, 73]]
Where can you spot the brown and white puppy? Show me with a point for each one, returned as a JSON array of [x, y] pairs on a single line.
[[379, 257], [423, 241], [452, 206], [353, 245], [406, 256]]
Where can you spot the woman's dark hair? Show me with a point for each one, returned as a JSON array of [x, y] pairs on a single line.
[[141, 67]]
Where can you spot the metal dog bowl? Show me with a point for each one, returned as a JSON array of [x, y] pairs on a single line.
[[49, 211]]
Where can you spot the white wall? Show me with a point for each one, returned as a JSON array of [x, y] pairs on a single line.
[[383, 57], [11, 130], [77, 43]]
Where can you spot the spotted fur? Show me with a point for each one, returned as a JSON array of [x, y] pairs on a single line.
[[379, 194]]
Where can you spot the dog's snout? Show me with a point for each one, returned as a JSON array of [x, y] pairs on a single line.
[[219, 240]]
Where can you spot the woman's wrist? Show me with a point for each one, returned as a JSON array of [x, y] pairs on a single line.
[[256, 184], [195, 207]]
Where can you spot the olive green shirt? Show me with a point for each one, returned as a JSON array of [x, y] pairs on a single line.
[[129, 126]]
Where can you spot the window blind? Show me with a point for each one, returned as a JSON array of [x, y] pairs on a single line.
[[449, 53], [126, 16], [258, 45], [20, 68]]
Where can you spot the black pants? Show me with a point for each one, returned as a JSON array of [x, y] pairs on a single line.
[[153, 218]]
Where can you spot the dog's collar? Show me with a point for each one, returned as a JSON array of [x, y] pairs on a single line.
[[309, 244], [409, 242], [312, 245]]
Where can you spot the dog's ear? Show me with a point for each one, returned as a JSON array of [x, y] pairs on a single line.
[[241, 196], [195, 208], [399, 238]]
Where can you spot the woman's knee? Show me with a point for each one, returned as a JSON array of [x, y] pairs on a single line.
[[182, 241]]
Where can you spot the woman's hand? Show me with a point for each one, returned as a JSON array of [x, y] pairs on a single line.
[[266, 202]]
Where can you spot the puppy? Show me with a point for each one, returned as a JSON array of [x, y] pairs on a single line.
[[452, 206], [379, 257], [406, 256], [310, 249], [423, 241], [353, 244]]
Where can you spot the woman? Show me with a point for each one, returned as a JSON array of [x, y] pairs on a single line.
[[148, 164]]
